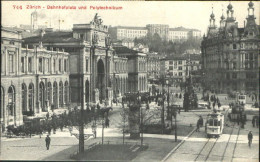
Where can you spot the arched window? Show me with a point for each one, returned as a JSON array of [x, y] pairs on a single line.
[[24, 98], [11, 101], [42, 95], [49, 92], [61, 93], [31, 97], [55, 95], [87, 91], [2, 103], [66, 92]]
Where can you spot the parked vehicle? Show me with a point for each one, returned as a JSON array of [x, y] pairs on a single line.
[[203, 105]]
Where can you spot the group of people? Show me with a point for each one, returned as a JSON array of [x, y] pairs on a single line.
[[69, 119]]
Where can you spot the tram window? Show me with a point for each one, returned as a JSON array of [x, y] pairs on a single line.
[[216, 122], [210, 121], [241, 97]]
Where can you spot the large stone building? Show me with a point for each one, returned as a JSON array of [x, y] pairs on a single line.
[[137, 68], [230, 54], [169, 34], [32, 79], [178, 67], [93, 66], [64, 70]]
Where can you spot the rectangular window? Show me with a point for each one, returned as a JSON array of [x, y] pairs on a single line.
[[2, 65], [81, 36], [86, 65], [234, 65], [227, 76], [179, 68], [11, 63], [170, 68], [22, 64], [65, 65], [180, 73], [179, 62], [170, 62], [40, 65], [54, 65], [234, 46], [29, 64], [47, 65], [246, 56], [234, 75], [59, 65], [251, 56]]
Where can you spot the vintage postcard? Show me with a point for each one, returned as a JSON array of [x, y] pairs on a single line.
[[129, 80]]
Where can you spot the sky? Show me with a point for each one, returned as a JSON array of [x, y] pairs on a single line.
[[194, 14]]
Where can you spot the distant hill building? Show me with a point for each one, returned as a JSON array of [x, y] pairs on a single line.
[[164, 31]]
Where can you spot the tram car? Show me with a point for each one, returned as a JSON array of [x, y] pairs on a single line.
[[214, 124], [237, 112], [241, 99]]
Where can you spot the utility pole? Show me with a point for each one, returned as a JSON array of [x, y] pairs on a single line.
[[81, 121], [163, 105], [175, 124]]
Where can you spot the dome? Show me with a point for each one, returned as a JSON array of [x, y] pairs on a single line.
[[230, 6], [250, 4]]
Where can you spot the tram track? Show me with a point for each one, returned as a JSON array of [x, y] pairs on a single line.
[[210, 144], [223, 155]]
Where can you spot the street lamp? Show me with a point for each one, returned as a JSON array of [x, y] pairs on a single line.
[[168, 99], [141, 117], [161, 100]]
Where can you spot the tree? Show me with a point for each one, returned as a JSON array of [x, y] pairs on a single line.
[[124, 124]]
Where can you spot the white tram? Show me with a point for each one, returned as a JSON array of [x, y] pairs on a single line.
[[214, 124]]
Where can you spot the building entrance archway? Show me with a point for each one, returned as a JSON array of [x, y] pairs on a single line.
[[101, 80]]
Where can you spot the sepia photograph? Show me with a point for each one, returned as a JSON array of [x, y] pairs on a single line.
[[141, 81]]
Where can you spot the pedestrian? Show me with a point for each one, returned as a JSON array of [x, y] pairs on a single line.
[[49, 128], [48, 141], [238, 119], [198, 126], [47, 115], [219, 105], [253, 121], [40, 131], [257, 121], [179, 112], [243, 121], [107, 122], [201, 121], [250, 138]]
